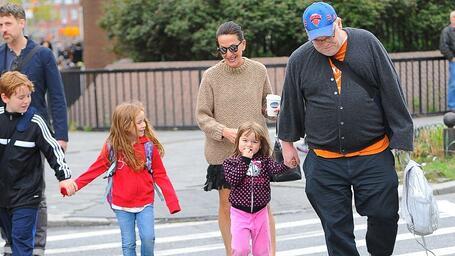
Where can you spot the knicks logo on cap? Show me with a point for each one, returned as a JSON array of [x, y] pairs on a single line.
[[315, 18]]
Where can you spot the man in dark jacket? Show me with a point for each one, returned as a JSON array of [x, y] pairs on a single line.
[[41, 68], [447, 47], [342, 91]]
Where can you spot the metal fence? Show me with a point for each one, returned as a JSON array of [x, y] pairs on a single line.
[[169, 94]]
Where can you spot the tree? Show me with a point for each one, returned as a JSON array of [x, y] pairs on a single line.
[[155, 30], [158, 30]]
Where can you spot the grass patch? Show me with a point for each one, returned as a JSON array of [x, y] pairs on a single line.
[[429, 151]]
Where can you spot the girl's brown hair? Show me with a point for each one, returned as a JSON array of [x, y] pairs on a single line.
[[260, 133], [123, 122]]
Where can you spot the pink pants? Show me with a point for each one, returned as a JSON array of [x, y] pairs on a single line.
[[250, 226]]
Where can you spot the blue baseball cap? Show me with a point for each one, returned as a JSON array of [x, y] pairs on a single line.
[[318, 20]]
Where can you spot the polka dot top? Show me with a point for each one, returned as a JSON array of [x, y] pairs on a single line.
[[250, 181]]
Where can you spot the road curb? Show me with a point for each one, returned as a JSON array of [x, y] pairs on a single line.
[[444, 188]]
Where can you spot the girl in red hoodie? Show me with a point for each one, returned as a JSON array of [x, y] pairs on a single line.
[[132, 191]]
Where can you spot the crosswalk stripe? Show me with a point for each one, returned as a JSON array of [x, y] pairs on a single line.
[[447, 209], [203, 235], [117, 231], [360, 243], [174, 238], [217, 246], [84, 248], [439, 252]]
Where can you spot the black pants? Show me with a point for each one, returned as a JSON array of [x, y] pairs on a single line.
[[329, 186]]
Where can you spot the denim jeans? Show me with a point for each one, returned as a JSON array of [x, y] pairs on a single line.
[[19, 227], [451, 86], [373, 180], [146, 226]]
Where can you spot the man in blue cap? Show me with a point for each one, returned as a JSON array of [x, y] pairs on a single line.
[[342, 91]]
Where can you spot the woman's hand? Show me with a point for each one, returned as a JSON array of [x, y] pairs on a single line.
[[230, 134]]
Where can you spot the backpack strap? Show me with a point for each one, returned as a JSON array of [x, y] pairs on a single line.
[[27, 57], [148, 162], [110, 171], [148, 155], [111, 156], [5, 56]]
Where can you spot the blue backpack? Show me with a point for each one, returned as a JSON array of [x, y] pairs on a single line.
[[113, 167]]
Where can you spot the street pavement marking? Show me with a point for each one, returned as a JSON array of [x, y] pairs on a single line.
[[69, 236], [439, 252], [446, 208], [217, 246], [84, 248], [213, 234], [359, 243], [117, 231]]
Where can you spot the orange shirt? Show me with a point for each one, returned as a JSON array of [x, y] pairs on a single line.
[[376, 147]]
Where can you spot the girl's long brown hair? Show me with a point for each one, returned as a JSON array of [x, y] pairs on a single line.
[[120, 136], [260, 133]]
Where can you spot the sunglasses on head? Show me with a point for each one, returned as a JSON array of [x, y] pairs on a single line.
[[232, 48]]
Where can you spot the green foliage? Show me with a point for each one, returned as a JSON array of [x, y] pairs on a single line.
[[157, 30], [154, 30], [401, 25], [429, 151]]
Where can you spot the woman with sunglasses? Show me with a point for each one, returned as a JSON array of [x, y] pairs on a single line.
[[231, 92]]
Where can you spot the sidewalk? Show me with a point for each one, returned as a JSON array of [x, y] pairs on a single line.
[[186, 166]]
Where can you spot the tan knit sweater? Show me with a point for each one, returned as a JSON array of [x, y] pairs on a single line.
[[227, 98]]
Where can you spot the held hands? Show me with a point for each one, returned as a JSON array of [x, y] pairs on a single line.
[[247, 152], [68, 187], [290, 154], [230, 134]]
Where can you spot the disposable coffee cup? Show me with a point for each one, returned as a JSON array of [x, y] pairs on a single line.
[[273, 103]]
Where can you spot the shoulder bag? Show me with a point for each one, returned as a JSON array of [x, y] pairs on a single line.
[[291, 174]]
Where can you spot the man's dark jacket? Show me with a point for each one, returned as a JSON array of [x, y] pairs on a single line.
[[447, 42], [353, 119]]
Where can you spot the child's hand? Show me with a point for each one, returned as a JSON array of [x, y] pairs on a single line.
[[247, 152], [68, 187]]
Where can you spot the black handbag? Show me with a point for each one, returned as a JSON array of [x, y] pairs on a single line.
[[292, 173]]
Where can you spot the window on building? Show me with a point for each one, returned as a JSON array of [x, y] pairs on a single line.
[[74, 14]]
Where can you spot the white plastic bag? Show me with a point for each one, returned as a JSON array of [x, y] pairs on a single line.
[[419, 207]]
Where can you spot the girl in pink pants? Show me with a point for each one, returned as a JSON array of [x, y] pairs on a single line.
[[245, 225], [248, 172]]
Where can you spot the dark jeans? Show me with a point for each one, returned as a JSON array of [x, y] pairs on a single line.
[[41, 228], [19, 227], [329, 186]]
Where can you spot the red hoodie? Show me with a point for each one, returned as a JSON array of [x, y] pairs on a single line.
[[129, 188]]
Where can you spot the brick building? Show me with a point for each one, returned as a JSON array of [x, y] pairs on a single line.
[[97, 53]]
